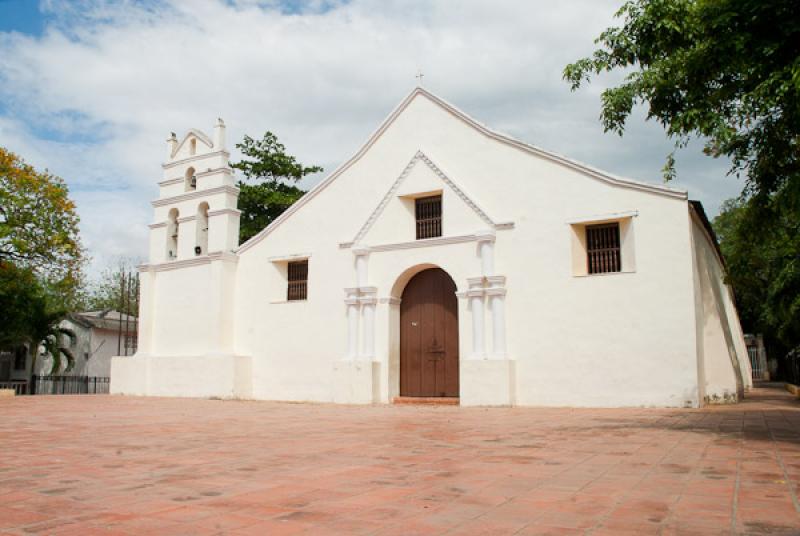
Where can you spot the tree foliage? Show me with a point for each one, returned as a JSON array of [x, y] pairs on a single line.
[[272, 174], [38, 221], [30, 314], [725, 70], [106, 292], [763, 265]]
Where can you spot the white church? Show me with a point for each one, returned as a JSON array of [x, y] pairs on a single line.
[[445, 261]]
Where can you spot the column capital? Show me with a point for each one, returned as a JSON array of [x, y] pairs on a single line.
[[495, 291], [360, 251], [487, 235], [496, 281]]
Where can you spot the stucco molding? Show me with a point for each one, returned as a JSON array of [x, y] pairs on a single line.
[[289, 257], [197, 133], [186, 219], [390, 300], [157, 225], [427, 242], [611, 216], [572, 164], [170, 182], [419, 156], [223, 256], [222, 211], [195, 194], [195, 158]]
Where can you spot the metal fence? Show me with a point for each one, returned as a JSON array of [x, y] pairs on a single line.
[[20, 386], [793, 367], [69, 385]]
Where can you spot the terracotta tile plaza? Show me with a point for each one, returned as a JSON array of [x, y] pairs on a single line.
[[86, 465]]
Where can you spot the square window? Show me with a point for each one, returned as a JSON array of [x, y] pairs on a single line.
[[298, 281], [428, 212], [603, 252]]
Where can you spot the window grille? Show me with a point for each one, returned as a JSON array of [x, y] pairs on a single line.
[[298, 281], [603, 248], [429, 217]]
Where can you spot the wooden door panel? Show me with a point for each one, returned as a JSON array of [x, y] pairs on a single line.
[[429, 336]]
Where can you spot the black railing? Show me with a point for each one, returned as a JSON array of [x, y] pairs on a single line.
[[793, 367], [69, 385], [20, 386]]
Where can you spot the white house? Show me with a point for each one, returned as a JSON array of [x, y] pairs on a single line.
[[99, 335], [443, 259]]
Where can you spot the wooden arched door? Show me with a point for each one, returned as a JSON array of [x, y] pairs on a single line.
[[429, 336]]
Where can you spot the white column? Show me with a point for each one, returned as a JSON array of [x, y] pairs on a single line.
[[362, 256], [486, 252], [368, 300], [352, 322], [476, 293], [497, 298]]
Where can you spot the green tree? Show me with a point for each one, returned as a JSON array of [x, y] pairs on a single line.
[[30, 315], [106, 291], [38, 221], [273, 175], [727, 71], [763, 265]]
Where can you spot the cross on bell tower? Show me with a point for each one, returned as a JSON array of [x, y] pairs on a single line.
[[419, 77]]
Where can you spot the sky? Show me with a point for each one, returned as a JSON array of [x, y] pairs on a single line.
[[90, 89]]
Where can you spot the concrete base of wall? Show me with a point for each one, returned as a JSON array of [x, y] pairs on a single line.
[[218, 376], [487, 382], [356, 382]]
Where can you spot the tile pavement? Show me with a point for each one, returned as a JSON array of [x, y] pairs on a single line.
[[101, 465]]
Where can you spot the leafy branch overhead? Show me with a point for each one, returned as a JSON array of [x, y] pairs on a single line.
[[38, 220], [724, 70], [273, 174]]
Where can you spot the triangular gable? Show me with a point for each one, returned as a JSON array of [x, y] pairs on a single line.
[[197, 134], [553, 157], [420, 157]]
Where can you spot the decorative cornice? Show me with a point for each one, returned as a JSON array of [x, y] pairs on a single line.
[[194, 194], [157, 225], [170, 182], [187, 219], [198, 174], [439, 241], [220, 211], [289, 257], [212, 154], [391, 300], [188, 263], [611, 216], [507, 140]]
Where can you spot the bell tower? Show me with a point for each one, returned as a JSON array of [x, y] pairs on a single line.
[[195, 213]]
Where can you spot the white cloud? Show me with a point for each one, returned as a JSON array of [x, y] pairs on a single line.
[[94, 97]]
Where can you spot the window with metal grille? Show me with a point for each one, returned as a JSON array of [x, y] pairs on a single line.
[[429, 217], [298, 281], [603, 248]]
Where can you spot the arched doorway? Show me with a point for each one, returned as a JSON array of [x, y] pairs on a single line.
[[429, 336]]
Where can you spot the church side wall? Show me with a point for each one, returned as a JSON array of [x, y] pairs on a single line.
[[724, 355]]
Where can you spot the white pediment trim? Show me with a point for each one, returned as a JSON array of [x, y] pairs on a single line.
[[502, 138], [420, 156], [193, 132]]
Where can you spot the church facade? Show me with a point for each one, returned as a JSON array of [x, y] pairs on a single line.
[[442, 260]]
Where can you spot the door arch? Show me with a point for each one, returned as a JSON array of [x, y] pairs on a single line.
[[429, 356]]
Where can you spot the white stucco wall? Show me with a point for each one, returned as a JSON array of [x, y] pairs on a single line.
[[722, 352], [623, 339]]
